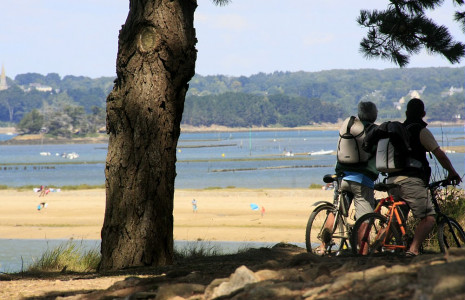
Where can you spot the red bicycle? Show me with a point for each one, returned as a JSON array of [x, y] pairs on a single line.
[[385, 230]]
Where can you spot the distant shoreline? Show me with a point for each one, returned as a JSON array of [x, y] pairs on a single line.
[[35, 139]]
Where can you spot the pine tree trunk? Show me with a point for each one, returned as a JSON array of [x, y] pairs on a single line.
[[156, 60]]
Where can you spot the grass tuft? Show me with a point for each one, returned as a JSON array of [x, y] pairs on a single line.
[[315, 186], [82, 187], [195, 250], [69, 256]]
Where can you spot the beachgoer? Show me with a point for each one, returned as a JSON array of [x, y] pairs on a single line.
[[412, 181], [43, 191], [194, 205], [262, 211]]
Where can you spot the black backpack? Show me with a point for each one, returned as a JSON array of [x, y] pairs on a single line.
[[393, 153]]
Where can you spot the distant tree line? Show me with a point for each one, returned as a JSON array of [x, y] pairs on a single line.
[[75, 105], [71, 106], [345, 88], [244, 110]]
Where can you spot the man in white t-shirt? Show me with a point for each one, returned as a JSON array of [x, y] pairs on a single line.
[[412, 182]]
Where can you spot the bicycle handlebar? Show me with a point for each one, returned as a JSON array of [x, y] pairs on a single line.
[[439, 183]]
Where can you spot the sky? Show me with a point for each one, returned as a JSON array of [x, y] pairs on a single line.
[[246, 37]]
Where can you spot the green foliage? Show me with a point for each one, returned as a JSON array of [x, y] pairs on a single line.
[[196, 250], [32, 122], [403, 29], [82, 187], [76, 104], [342, 89], [69, 256], [315, 186], [246, 110], [447, 110], [452, 204]]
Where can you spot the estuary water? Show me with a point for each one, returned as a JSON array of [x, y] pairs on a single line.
[[253, 159], [17, 255]]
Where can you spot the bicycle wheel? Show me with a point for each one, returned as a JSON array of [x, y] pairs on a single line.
[[319, 237], [369, 231], [446, 238]]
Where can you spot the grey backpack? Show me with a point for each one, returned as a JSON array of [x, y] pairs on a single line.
[[349, 147]]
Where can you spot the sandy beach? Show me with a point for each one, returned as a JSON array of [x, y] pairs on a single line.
[[222, 214]]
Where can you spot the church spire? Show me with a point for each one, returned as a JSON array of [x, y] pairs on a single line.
[[3, 85]]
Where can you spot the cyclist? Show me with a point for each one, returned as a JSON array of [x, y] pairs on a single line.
[[412, 182], [358, 179]]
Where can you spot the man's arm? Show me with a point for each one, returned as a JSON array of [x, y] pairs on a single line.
[[453, 176], [429, 142]]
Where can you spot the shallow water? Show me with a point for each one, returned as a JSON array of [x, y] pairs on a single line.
[[252, 159], [231, 153], [18, 254]]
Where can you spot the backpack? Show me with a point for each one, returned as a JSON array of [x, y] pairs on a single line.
[[349, 146], [393, 153]]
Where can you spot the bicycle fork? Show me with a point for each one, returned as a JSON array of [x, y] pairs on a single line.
[[327, 234], [452, 232]]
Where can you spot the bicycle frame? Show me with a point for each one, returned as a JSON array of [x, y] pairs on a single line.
[[335, 223], [383, 237], [433, 187], [335, 226], [336, 214]]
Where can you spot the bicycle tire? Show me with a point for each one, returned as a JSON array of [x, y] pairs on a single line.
[[376, 224], [315, 231], [445, 238]]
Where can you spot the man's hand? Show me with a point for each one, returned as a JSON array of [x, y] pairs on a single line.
[[454, 178]]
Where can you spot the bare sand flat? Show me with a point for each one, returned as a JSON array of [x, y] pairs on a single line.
[[222, 214]]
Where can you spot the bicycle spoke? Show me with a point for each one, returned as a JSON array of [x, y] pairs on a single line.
[[325, 233]]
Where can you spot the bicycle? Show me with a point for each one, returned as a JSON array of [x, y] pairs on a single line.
[[387, 232], [454, 235], [381, 231], [328, 229]]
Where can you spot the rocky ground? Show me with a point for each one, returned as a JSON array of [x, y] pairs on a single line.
[[281, 272]]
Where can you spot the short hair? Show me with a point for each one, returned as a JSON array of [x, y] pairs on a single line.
[[367, 111], [415, 109]]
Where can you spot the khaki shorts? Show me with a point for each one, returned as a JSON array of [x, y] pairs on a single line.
[[364, 199], [413, 191]]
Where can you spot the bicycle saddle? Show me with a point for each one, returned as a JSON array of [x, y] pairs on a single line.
[[384, 187], [328, 178]]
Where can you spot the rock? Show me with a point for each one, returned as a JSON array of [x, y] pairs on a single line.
[[305, 258], [241, 277], [184, 290], [291, 274], [441, 281]]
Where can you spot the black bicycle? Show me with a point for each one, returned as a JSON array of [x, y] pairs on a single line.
[[328, 228], [450, 233]]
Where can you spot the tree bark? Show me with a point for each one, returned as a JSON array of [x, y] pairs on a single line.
[[156, 60]]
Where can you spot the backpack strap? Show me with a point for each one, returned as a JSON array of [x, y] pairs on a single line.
[[409, 133], [350, 123]]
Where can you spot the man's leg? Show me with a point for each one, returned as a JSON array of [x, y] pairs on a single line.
[[413, 191], [421, 232]]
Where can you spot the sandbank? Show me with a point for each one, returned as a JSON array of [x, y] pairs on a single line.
[[222, 214]]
